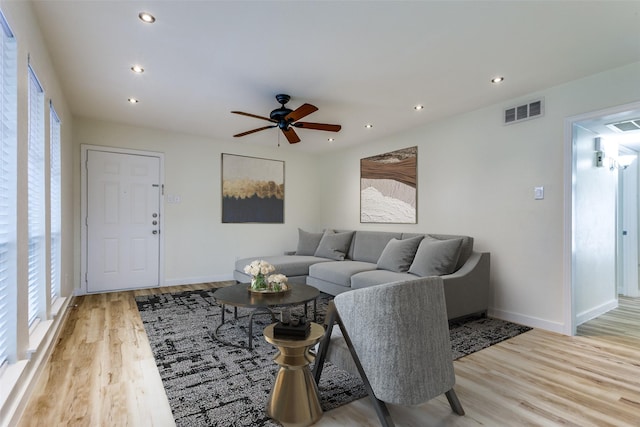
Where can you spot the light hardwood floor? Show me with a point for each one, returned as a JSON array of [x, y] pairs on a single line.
[[102, 373]]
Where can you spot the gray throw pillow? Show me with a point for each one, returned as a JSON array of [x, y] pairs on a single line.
[[398, 254], [436, 257], [308, 242], [334, 245]]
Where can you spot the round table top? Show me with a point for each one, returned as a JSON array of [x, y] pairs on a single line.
[[317, 332], [240, 296]]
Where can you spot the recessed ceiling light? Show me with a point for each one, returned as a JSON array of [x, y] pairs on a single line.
[[418, 107], [368, 125], [137, 69], [133, 100], [499, 79], [330, 139], [147, 17]]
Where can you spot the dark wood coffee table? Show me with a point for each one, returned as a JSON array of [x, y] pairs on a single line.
[[240, 296]]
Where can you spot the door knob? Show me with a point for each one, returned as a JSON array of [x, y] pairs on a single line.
[[154, 222], [154, 232], [154, 215]]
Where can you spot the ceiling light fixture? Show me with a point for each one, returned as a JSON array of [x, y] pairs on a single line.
[[133, 100], [146, 17], [330, 139], [499, 79], [137, 69], [418, 107], [368, 125]]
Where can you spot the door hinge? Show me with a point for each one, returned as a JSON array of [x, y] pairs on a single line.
[[86, 280]]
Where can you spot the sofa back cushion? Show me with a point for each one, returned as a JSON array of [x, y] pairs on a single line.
[[334, 245], [367, 246], [465, 249], [398, 254], [308, 242], [436, 257]]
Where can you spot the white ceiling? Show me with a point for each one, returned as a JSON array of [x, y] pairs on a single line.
[[359, 62]]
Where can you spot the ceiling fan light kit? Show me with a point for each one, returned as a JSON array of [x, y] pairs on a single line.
[[286, 118]]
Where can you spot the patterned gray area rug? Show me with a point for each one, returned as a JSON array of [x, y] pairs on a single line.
[[211, 384]]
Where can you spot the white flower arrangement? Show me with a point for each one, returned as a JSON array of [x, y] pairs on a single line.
[[258, 270], [277, 278], [259, 267]]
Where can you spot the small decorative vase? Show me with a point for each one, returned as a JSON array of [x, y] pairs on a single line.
[[258, 282]]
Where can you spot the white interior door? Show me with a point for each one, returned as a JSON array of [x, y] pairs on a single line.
[[123, 221], [628, 204]]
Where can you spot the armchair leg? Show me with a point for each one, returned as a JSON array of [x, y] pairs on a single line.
[[455, 404], [381, 410], [324, 343]]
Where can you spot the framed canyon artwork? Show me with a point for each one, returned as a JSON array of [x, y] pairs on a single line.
[[388, 187], [252, 189]]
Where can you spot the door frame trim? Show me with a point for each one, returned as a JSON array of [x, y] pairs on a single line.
[[568, 288], [84, 149]]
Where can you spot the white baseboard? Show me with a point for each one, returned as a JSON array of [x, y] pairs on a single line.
[[194, 280], [175, 282], [533, 322], [594, 312]]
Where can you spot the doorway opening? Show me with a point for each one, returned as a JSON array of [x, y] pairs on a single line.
[[602, 213]]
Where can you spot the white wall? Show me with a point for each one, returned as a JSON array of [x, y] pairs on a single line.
[[476, 177], [198, 247]]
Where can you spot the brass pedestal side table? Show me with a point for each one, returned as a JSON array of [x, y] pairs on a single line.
[[294, 397]]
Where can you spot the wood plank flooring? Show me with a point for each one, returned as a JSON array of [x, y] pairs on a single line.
[[102, 373]]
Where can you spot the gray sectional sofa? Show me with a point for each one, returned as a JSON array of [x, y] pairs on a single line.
[[342, 260]]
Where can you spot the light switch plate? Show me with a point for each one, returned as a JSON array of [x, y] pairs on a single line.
[[538, 193]]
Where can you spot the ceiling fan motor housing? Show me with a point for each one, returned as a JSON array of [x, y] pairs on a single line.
[[279, 114]]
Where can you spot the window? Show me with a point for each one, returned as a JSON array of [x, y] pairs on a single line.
[[8, 176], [56, 208], [36, 194]]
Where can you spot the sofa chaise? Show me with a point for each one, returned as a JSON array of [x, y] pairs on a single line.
[[343, 260]]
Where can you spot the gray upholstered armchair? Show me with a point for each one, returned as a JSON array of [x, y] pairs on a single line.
[[396, 337]]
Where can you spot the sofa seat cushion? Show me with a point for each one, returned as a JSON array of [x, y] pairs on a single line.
[[339, 272], [289, 265], [378, 277]]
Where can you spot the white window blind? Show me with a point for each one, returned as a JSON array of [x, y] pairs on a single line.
[[36, 212], [8, 177], [55, 202]]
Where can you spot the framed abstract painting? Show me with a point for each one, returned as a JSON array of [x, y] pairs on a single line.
[[388, 187], [252, 190]]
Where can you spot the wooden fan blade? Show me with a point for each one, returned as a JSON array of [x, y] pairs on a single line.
[[318, 126], [300, 112], [254, 116], [254, 130], [291, 135]]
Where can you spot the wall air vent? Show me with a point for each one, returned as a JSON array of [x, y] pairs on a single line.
[[527, 111], [625, 126]]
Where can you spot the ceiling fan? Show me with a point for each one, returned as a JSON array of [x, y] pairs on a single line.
[[286, 119]]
